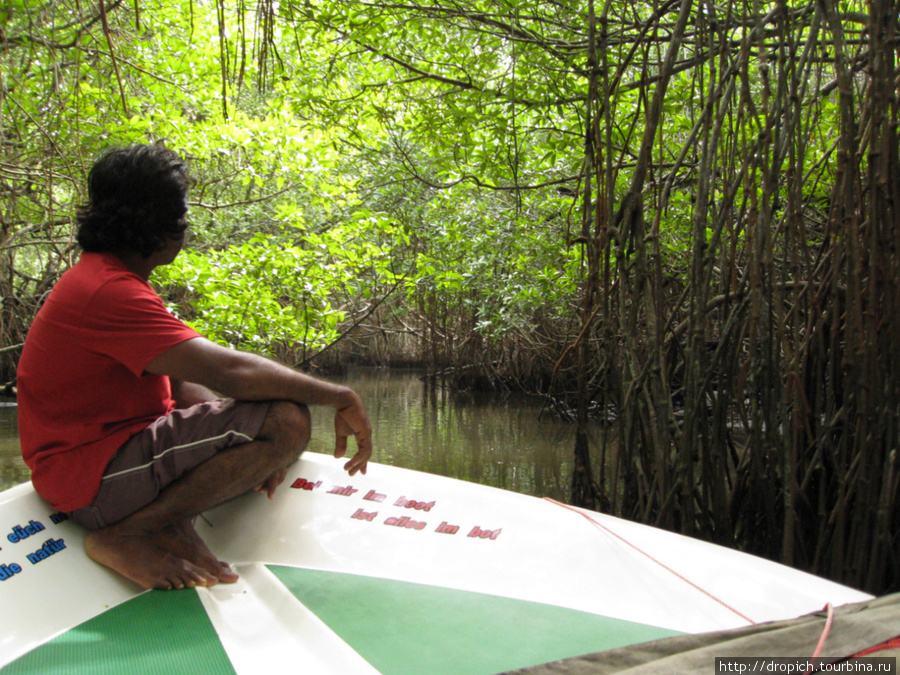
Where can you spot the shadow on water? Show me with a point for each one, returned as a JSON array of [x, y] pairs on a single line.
[[493, 439]]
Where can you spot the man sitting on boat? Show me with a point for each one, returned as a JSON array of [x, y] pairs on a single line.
[[117, 416]]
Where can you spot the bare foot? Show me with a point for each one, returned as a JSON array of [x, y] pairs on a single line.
[[183, 541], [139, 558]]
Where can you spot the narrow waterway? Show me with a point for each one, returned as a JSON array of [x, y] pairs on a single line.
[[495, 440]]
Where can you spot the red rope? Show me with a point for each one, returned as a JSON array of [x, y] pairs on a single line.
[[825, 631], [893, 643], [890, 644], [663, 565]]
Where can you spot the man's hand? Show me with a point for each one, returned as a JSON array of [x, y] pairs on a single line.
[[353, 421], [272, 482]]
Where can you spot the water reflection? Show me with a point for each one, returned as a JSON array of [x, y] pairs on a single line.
[[490, 439], [12, 469]]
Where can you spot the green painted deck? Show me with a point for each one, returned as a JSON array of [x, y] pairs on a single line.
[[401, 628], [156, 632], [409, 629]]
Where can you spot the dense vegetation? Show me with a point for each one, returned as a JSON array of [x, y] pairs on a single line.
[[679, 214]]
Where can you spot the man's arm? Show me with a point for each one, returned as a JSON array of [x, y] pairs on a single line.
[[249, 377]]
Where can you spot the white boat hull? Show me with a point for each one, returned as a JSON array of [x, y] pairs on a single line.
[[398, 570]]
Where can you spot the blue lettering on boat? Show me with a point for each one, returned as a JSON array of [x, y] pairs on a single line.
[[50, 547], [20, 532], [8, 571], [57, 518]]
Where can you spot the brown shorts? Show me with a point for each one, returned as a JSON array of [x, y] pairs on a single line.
[[163, 452]]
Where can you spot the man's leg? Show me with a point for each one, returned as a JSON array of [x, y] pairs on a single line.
[[157, 546]]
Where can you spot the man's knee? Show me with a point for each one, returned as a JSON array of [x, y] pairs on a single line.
[[289, 423]]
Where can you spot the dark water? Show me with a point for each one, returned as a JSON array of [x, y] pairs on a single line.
[[491, 439]]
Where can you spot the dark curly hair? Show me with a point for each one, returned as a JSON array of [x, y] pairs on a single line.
[[136, 201]]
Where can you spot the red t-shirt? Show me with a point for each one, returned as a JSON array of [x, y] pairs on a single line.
[[82, 390]]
